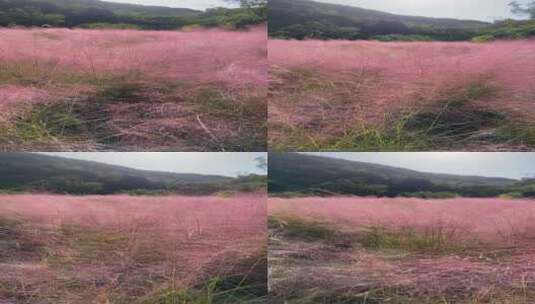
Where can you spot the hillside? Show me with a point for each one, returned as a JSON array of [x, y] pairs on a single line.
[[301, 19], [37, 172], [98, 14], [49, 6], [291, 172]]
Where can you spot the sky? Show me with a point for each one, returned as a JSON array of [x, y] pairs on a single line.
[[485, 10], [217, 163], [193, 4], [510, 165]]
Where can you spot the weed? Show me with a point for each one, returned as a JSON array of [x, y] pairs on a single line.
[[245, 114], [303, 229], [92, 243], [434, 240], [308, 98], [16, 243], [456, 117]]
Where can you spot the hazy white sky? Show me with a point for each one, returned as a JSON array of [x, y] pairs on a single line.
[[193, 4], [229, 164], [487, 10], [511, 165]]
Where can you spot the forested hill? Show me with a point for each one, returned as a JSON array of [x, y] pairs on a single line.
[[309, 174], [23, 172], [96, 13], [307, 19]]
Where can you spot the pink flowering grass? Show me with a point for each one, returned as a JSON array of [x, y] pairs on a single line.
[[495, 220], [404, 250], [124, 249], [201, 90], [326, 90], [198, 55]]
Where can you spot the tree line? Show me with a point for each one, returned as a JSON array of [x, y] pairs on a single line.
[[49, 14]]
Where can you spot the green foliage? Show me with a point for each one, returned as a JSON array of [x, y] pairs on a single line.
[[292, 174], [104, 25], [483, 38], [398, 37], [303, 229], [99, 14], [251, 183], [456, 120], [431, 195], [316, 30], [302, 19], [246, 284], [22, 172], [436, 240], [56, 120], [508, 29]]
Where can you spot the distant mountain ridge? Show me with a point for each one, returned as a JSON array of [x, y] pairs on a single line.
[[103, 14], [294, 172], [293, 17], [29, 171], [52, 6]]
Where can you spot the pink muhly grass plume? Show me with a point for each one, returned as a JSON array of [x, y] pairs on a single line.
[[11, 95], [491, 219], [233, 57], [202, 228], [418, 70]]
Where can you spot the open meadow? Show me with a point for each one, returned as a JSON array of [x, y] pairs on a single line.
[[128, 249], [401, 250], [342, 95], [130, 90]]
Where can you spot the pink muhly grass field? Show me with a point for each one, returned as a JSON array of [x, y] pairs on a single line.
[[418, 70], [199, 55], [52, 58], [494, 263], [199, 90], [215, 219], [185, 239], [490, 219]]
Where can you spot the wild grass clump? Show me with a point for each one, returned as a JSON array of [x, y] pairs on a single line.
[[431, 240], [113, 249], [118, 115], [246, 283], [407, 250], [444, 124], [308, 230], [16, 242], [134, 91], [246, 114], [414, 96]]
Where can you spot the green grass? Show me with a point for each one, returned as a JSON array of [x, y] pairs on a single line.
[[94, 118], [244, 113], [17, 243], [247, 285], [306, 230], [451, 123], [391, 136], [92, 243], [435, 240], [67, 121], [43, 74]]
